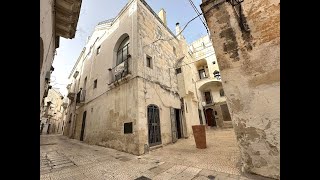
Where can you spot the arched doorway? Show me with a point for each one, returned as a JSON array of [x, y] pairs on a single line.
[[154, 132], [210, 117]]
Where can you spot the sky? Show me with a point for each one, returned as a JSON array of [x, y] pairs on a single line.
[[94, 11]]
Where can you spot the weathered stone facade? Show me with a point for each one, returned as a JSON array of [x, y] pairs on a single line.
[[148, 78], [58, 18], [53, 112], [247, 44], [208, 80]]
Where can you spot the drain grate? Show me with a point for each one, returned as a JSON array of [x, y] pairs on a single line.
[[142, 178], [211, 177], [48, 144]]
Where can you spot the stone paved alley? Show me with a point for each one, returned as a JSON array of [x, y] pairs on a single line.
[[63, 158]]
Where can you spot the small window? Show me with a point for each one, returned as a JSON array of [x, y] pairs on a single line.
[[95, 84], [98, 50], [208, 98], [215, 113], [174, 51], [149, 61], [178, 71], [202, 73], [128, 128], [221, 92]]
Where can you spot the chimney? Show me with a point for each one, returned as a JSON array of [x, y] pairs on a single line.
[[178, 30], [162, 15]]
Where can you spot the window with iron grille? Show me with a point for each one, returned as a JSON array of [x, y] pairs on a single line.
[[123, 51]]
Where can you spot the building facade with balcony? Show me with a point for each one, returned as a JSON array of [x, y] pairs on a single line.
[[58, 18], [212, 100], [126, 89], [53, 112]]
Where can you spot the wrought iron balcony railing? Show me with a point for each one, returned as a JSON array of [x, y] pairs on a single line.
[[119, 71], [81, 96]]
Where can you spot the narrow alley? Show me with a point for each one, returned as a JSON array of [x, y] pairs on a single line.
[[63, 158]]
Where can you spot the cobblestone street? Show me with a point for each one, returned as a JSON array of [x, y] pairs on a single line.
[[63, 158]]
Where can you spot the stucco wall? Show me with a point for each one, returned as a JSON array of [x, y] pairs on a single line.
[[160, 85], [250, 68], [48, 38], [106, 116]]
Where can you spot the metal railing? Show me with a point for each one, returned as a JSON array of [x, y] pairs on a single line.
[[119, 71], [81, 96]]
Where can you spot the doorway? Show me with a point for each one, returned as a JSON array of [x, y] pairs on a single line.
[[154, 132], [83, 125], [210, 117], [178, 123], [225, 112]]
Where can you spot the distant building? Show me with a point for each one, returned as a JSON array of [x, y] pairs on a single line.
[[212, 103], [58, 18], [53, 112]]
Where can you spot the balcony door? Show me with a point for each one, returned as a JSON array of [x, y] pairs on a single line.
[[211, 121]]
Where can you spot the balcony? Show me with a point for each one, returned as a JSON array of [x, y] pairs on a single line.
[[71, 95], [119, 72], [81, 97]]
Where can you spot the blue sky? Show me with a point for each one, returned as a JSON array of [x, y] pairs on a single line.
[[94, 11]]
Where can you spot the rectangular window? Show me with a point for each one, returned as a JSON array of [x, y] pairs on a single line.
[[208, 98], [221, 92], [202, 73], [149, 62], [178, 71], [128, 128], [98, 50], [95, 84]]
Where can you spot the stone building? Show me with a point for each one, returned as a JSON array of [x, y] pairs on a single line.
[[128, 90], [58, 18], [212, 102], [246, 39], [53, 111]]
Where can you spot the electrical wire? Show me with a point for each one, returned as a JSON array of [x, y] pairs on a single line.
[[197, 12], [182, 29], [195, 61]]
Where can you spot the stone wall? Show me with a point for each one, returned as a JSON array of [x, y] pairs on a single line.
[[249, 61], [47, 41]]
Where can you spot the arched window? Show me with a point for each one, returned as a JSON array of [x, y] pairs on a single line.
[[123, 51]]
